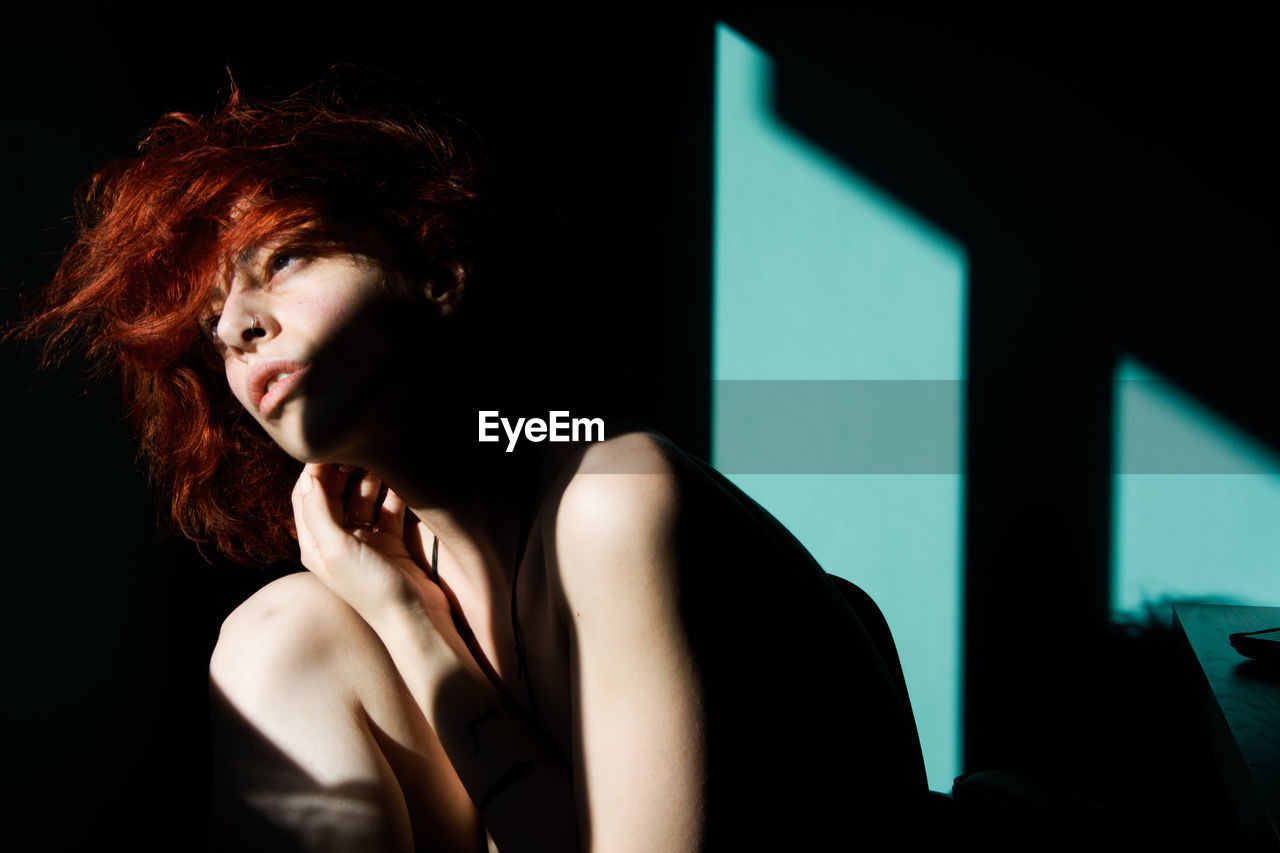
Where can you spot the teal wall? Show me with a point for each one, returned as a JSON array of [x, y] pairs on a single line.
[[838, 360], [1196, 503]]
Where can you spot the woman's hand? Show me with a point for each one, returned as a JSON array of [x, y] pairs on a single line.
[[359, 549]]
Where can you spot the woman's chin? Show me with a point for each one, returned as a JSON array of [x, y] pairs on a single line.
[[304, 445], [315, 445]]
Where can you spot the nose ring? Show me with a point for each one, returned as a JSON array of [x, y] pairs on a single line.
[[254, 330]]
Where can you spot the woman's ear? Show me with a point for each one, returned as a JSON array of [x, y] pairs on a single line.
[[445, 288], [447, 284]]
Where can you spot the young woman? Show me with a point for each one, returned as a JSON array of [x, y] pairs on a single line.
[[596, 644]]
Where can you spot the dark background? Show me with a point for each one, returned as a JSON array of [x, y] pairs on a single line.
[[1111, 173]]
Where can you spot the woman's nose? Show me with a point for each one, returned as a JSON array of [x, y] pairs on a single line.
[[244, 323], [254, 330]]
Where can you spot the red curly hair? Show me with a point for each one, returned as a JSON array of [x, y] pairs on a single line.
[[155, 231]]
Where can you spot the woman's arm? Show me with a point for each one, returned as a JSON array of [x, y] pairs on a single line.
[[640, 757], [524, 794]]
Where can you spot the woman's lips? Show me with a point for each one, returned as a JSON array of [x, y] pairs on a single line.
[[271, 383]]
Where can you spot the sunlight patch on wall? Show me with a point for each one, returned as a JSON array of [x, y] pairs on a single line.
[[823, 277], [1194, 503]]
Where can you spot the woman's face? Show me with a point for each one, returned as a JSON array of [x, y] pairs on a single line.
[[301, 345]]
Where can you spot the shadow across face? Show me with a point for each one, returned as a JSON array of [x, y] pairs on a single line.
[[399, 369]]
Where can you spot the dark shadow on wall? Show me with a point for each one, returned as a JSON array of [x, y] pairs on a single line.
[[1111, 175]]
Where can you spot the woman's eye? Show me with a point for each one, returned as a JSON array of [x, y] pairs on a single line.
[[211, 327], [281, 261]]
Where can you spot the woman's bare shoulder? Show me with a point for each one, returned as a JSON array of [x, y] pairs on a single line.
[[629, 451], [628, 476], [613, 498]]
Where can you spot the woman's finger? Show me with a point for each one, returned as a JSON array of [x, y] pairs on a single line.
[[391, 516], [308, 551], [333, 478], [362, 504], [313, 509]]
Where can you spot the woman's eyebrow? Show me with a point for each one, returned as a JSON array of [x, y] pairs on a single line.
[[256, 254], [251, 259], [259, 251], [248, 256]]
